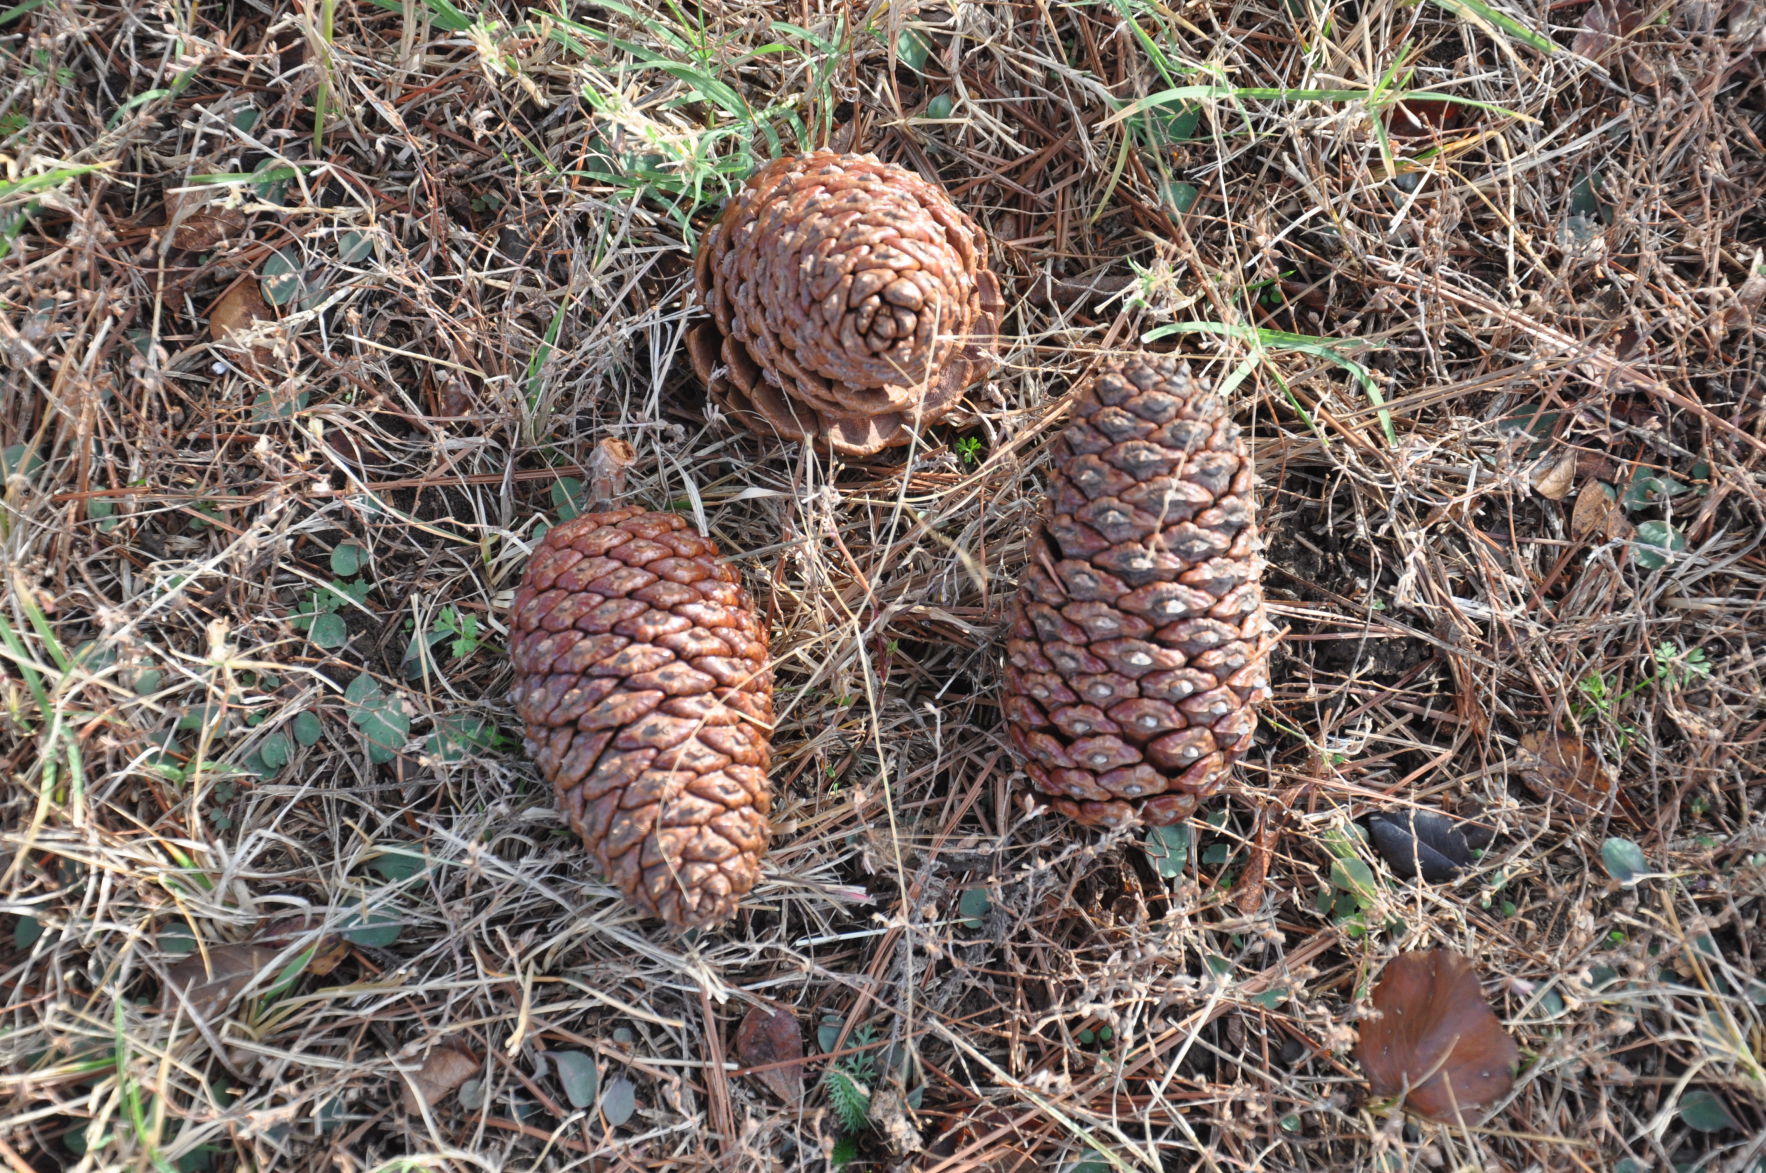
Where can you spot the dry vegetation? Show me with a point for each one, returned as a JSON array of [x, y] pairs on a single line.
[[312, 314]]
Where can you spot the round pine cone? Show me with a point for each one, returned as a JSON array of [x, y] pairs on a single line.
[[1136, 647], [850, 303], [641, 676]]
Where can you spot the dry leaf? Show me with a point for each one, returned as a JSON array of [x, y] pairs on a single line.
[[210, 979], [1744, 305], [1596, 513], [1553, 475], [889, 1115], [768, 1037], [1604, 21], [1423, 119], [1556, 765], [1436, 1040], [443, 1070], [239, 308], [199, 221]]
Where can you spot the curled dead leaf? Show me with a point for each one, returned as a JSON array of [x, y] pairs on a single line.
[[444, 1069], [1557, 766], [241, 306], [1743, 307], [1604, 22], [889, 1115], [1555, 473], [1419, 118], [772, 1041], [1596, 514]]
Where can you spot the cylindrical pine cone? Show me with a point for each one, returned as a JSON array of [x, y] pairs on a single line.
[[1136, 648], [641, 676], [849, 303]]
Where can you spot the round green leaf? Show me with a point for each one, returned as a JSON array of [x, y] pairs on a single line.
[[399, 863], [1704, 1111], [352, 246], [1623, 860], [1657, 542], [913, 49], [1168, 848], [308, 729], [939, 108], [282, 279], [619, 1102], [1180, 197], [567, 497], [274, 751], [376, 930], [329, 630], [348, 558], [974, 904], [577, 1072]]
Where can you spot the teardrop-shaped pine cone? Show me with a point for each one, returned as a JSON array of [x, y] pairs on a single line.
[[642, 679], [1136, 646], [849, 303]]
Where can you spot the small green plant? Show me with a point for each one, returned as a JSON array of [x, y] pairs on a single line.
[[1353, 895], [689, 141], [969, 448], [317, 613], [849, 1080], [379, 717], [1673, 668], [452, 626]]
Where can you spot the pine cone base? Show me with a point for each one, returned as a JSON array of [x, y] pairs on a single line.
[[1136, 645], [642, 682], [848, 303]]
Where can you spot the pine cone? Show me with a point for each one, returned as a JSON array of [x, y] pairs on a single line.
[[850, 303], [641, 676], [1135, 651]]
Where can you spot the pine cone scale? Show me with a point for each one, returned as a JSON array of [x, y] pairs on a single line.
[[643, 684], [1135, 646]]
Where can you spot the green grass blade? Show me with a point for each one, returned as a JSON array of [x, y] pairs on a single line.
[[1329, 349], [1479, 12]]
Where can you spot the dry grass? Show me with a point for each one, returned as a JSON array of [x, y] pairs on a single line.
[[483, 273]]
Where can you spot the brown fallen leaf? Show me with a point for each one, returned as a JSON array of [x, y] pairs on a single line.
[[240, 307], [205, 982], [772, 1040], [198, 219], [1435, 1039], [1556, 765], [1596, 513], [444, 1069]]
